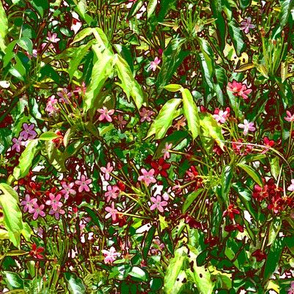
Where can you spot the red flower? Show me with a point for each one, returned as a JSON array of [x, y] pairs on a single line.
[[233, 227], [36, 252], [191, 221], [260, 193], [259, 255], [230, 211], [160, 166]]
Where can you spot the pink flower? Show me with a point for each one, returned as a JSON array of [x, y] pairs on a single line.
[[57, 212], [28, 203], [154, 64], [246, 25], [67, 190], [52, 38], [112, 212], [165, 151], [120, 121], [113, 192], [239, 89], [105, 114], [291, 289], [247, 126], [180, 123], [64, 95], [38, 211], [83, 183], [81, 90], [147, 176], [51, 106], [17, 144], [146, 114], [158, 203], [28, 132], [54, 201], [291, 187], [289, 116], [107, 170], [111, 255], [221, 116]]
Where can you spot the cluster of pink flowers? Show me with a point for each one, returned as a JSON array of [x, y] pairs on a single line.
[[28, 133], [239, 89], [221, 116]]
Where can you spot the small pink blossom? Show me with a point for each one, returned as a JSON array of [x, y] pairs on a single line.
[[81, 90], [54, 201], [57, 212], [52, 38], [64, 94], [146, 114], [67, 190], [105, 114], [154, 64], [246, 25], [83, 184], [120, 121], [28, 203], [289, 117], [158, 203], [291, 289], [107, 170], [112, 193], [51, 106], [111, 255], [112, 212], [239, 89], [28, 132], [147, 176], [17, 144], [180, 123], [38, 211], [247, 126], [165, 151], [291, 187], [221, 116]]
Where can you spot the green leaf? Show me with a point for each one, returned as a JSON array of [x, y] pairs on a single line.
[[151, 7], [14, 280], [26, 44], [174, 269], [200, 275], [164, 119], [148, 241], [3, 27], [211, 129], [286, 7], [79, 55], [138, 273], [273, 258], [128, 83], [165, 237], [48, 136], [191, 113], [75, 284], [26, 160], [102, 69], [274, 230], [227, 176], [275, 167], [173, 87], [190, 199], [12, 213], [236, 36], [252, 173]]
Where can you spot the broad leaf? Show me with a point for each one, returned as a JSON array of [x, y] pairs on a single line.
[[164, 119], [26, 160], [3, 27], [252, 173], [191, 113], [12, 213], [75, 284]]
